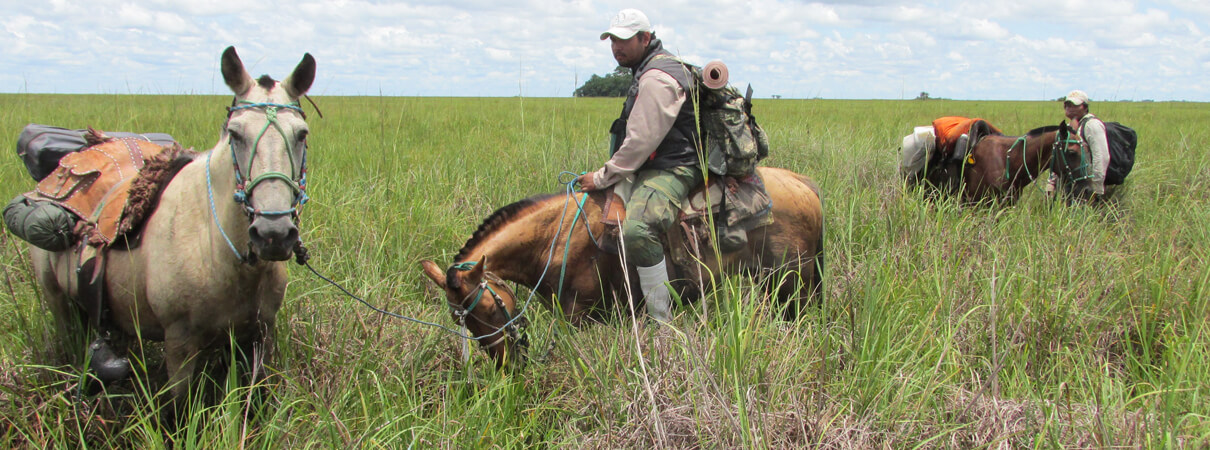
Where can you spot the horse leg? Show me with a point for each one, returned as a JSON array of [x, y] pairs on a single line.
[[181, 352], [55, 275]]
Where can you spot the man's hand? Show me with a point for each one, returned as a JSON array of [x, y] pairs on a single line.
[[586, 183]]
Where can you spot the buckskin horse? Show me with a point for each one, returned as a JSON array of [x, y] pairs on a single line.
[[541, 243], [203, 265], [998, 167]]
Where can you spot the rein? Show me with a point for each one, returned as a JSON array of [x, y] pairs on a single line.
[[1024, 152], [512, 325]]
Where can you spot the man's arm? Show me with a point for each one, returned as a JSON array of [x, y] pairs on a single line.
[[1098, 145], [655, 109]]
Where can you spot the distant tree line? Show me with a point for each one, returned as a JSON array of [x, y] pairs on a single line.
[[613, 85]]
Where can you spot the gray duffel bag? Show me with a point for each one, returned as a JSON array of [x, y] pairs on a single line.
[[42, 146]]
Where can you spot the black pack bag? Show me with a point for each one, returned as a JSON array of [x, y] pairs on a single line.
[[1122, 141], [42, 146]]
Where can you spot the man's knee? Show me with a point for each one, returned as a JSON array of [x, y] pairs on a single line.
[[642, 242]]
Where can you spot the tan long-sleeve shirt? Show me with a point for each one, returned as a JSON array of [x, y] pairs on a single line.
[[655, 109]]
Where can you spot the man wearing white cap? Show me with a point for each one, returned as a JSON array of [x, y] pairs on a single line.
[[1092, 131], [652, 144]]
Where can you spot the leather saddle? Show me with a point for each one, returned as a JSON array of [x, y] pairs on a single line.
[[979, 129], [96, 184]]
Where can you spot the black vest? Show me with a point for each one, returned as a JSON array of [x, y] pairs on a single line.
[[678, 147]]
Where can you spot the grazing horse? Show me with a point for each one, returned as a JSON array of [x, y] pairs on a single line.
[[204, 265], [998, 167], [541, 243]]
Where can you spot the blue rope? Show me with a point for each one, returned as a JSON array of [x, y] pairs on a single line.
[[379, 310], [214, 211], [467, 265]]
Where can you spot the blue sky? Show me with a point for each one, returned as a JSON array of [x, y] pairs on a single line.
[[882, 49]]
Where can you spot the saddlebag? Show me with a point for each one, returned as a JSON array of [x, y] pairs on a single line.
[[42, 146]]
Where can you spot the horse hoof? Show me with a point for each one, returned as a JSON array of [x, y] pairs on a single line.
[[107, 365]]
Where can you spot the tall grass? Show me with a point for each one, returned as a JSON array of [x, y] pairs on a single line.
[[941, 326]]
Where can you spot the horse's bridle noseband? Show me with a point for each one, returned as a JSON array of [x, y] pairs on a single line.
[[514, 326]]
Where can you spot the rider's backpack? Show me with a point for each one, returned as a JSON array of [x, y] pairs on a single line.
[[42, 146], [1122, 141], [734, 141]]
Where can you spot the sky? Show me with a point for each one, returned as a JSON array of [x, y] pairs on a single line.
[[858, 49]]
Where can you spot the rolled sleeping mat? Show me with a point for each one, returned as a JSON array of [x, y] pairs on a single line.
[[43, 224], [714, 74]]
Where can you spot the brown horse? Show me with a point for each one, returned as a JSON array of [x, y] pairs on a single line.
[[525, 243], [186, 282], [998, 167]]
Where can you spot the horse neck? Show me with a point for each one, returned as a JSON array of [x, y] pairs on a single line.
[[520, 250]]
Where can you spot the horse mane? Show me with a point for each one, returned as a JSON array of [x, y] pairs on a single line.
[[1046, 129], [499, 218]]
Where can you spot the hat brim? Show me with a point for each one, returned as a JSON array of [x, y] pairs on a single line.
[[620, 33]]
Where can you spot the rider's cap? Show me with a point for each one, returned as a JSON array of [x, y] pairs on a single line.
[[626, 24], [1076, 97]]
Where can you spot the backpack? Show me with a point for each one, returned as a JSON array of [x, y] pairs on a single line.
[[42, 146], [734, 141], [1122, 141]]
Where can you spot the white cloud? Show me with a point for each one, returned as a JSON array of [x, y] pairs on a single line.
[[1027, 49]]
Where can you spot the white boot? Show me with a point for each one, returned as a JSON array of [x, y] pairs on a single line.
[[654, 283]]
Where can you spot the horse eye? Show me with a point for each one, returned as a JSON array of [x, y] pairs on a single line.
[[302, 135]]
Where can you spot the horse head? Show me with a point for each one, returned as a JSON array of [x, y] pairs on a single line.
[[266, 132], [482, 303], [1071, 162]]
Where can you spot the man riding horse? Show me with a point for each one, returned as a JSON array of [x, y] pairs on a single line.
[[652, 143]]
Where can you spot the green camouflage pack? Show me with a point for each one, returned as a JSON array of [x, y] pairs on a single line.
[[734, 142]]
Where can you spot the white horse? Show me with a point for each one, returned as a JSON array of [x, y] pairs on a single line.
[[208, 265]]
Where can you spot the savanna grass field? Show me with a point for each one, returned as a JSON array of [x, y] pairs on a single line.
[[941, 326]]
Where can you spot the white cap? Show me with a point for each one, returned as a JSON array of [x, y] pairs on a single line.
[[1076, 97], [626, 24]]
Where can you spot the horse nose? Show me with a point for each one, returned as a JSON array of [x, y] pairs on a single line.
[[273, 237]]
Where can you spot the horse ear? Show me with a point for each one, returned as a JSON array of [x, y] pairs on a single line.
[[300, 80], [433, 272], [234, 74], [476, 272]]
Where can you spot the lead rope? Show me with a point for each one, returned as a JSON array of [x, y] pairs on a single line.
[[303, 258]]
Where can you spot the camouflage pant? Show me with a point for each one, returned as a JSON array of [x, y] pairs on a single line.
[[653, 208]]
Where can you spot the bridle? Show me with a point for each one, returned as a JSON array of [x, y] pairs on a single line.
[[514, 326], [1059, 152], [243, 191]]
